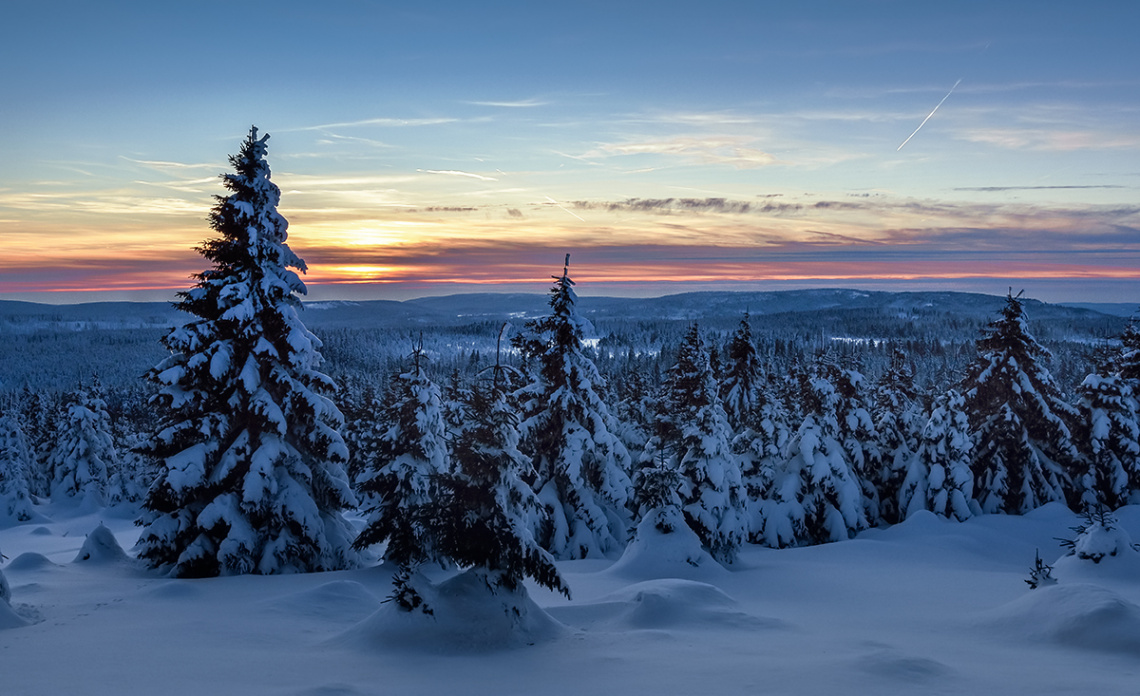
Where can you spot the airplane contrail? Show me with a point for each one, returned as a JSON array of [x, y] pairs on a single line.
[[928, 116], [560, 206]]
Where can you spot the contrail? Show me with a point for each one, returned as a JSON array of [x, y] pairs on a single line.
[[928, 116], [560, 206]]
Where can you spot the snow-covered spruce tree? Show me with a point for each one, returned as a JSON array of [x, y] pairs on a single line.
[[581, 466], [897, 416], [38, 419], [361, 406], [1110, 438], [400, 473], [636, 403], [457, 397], [691, 436], [252, 477], [84, 452], [657, 495], [817, 494], [739, 387], [1023, 449], [15, 460], [483, 515], [757, 419], [130, 479], [939, 477], [1129, 361], [857, 433]]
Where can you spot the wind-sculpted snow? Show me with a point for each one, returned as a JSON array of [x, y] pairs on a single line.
[[668, 603], [1082, 616], [468, 617], [926, 606], [101, 548]]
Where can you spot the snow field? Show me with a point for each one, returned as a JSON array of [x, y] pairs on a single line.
[[927, 606]]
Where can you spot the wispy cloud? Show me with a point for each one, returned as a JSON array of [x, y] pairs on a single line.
[[333, 138], [171, 167], [382, 122], [1049, 139], [456, 172], [994, 189], [733, 150], [519, 104]]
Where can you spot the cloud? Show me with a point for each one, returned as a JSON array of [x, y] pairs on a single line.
[[382, 122], [697, 118], [993, 189], [1048, 139], [733, 150], [669, 205], [333, 138], [519, 104], [454, 172], [171, 167]]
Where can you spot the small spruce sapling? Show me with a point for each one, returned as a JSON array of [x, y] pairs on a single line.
[[1041, 574]]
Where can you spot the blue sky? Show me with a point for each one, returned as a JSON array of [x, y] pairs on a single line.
[[438, 147]]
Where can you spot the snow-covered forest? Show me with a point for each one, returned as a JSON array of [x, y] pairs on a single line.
[[771, 476]]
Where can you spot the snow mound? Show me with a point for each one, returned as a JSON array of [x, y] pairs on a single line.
[[654, 554], [1124, 566], [467, 617], [1102, 550], [660, 604], [341, 600], [1076, 615], [891, 664], [101, 547], [41, 531], [30, 560]]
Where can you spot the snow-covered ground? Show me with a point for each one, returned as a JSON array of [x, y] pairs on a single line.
[[925, 607]]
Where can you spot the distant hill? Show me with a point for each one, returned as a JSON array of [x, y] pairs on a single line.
[[451, 310], [1116, 309], [60, 346]]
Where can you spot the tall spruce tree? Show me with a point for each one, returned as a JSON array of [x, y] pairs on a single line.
[[897, 421], [84, 454], [581, 466], [252, 477], [1023, 449], [741, 379], [485, 507], [939, 477], [15, 460], [38, 417], [401, 469], [692, 437], [1109, 433], [817, 494], [1129, 362]]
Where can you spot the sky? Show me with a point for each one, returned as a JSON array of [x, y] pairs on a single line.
[[427, 148]]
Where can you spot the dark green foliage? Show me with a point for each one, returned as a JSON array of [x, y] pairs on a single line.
[[1023, 453], [483, 506]]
